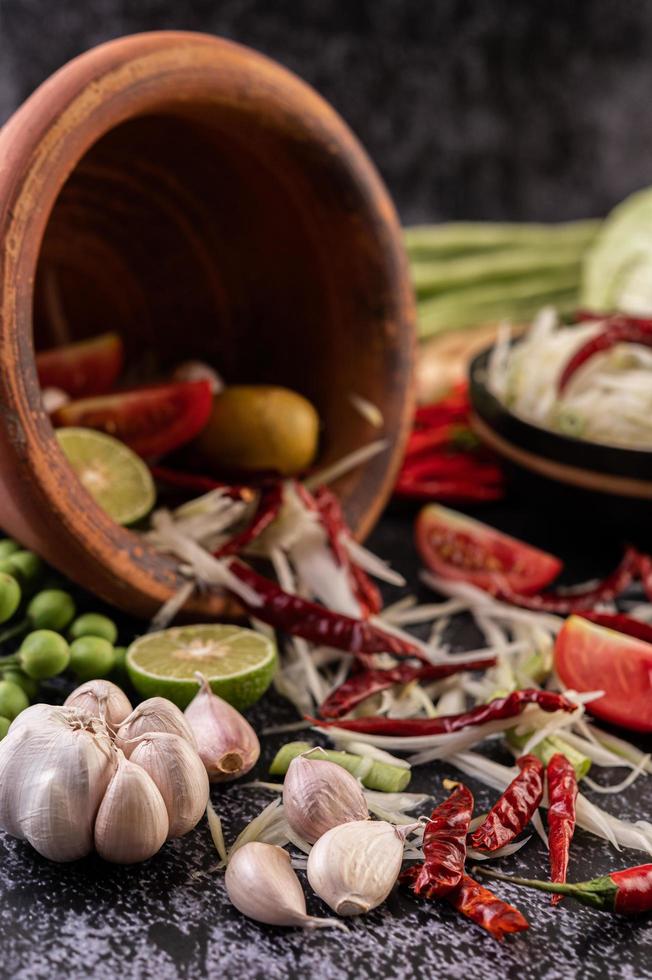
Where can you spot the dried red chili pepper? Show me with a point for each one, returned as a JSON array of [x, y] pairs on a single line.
[[455, 405], [618, 330], [199, 484], [332, 518], [626, 892], [512, 811], [456, 433], [315, 623], [577, 601], [507, 707], [562, 794], [444, 846], [449, 490], [484, 908], [645, 572], [364, 683], [621, 623], [269, 506]]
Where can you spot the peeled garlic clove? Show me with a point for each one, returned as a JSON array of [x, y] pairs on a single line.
[[180, 776], [226, 742], [354, 867], [132, 822], [103, 700], [319, 795], [261, 883], [65, 771], [153, 715]]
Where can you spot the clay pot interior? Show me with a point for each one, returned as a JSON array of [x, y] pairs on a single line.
[[199, 229]]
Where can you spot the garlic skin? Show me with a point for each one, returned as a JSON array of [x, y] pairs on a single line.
[[153, 715], [354, 867], [226, 742], [132, 821], [52, 779], [262, 884], [179, 775], [102, 699], [319, 795], [36, 716]]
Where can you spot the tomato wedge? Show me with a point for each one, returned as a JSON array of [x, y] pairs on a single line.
[[152, 421], [458, 547], [590, 657], [88, 367]]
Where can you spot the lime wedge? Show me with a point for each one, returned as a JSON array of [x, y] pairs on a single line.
[[115, 477], [238, 663]]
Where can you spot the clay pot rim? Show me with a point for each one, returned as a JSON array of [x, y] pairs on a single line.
[[105, 87]]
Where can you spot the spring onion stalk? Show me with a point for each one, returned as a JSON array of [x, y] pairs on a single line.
[[550, 746], [618, 746], [474, 236], [372, 773], [507, 265]]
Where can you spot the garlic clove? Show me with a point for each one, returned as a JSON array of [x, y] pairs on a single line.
[[66, 769], [227, 744], [319, 795], [180, 777], [153, 715], [354, 867], [132, 821], [102, 699], [261, 883], [36, 716]]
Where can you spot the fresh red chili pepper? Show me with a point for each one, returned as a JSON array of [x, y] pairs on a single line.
[[449, 490], [332, 518], [588, 316], [444, 847], [506, 707], [364, 683], [513, 810], [454, 405], [199, 484], [566, 603], [618, 330], [626, 892], [562, 794], [484, 908], [621, 623], [315, 623], [269, 505]]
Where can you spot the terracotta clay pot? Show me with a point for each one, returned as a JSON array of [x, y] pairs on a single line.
[[203, 201]]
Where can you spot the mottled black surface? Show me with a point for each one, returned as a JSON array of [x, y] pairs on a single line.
[[170, 919], [486, 109]]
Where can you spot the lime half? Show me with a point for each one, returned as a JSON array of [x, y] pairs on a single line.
[[238, 663], [115, 477]]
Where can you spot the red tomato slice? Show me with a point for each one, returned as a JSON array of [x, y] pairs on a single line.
[[152, 421], [89, 367], [590, 658], [455, 546]]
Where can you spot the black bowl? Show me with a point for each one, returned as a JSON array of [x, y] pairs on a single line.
[[595, 480]]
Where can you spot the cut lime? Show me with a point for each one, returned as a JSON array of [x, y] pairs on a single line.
[[115, 477], [238, 663]]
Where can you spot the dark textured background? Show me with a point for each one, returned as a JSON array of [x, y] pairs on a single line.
[[485, 109]]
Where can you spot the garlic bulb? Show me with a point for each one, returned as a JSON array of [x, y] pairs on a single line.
[[153, 715], [102, 699], [261, 883], [319, 795], [53, 776], [354, 867], [35, 716], [132, 821], [180, 776], [226, 742], [198, 371]]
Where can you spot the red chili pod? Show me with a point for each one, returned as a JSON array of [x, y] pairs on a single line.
[[444, 847], [484, 908], [513, 810], [562, 794]]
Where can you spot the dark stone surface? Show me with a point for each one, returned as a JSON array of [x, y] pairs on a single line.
[[170, 918], [481, 110]]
